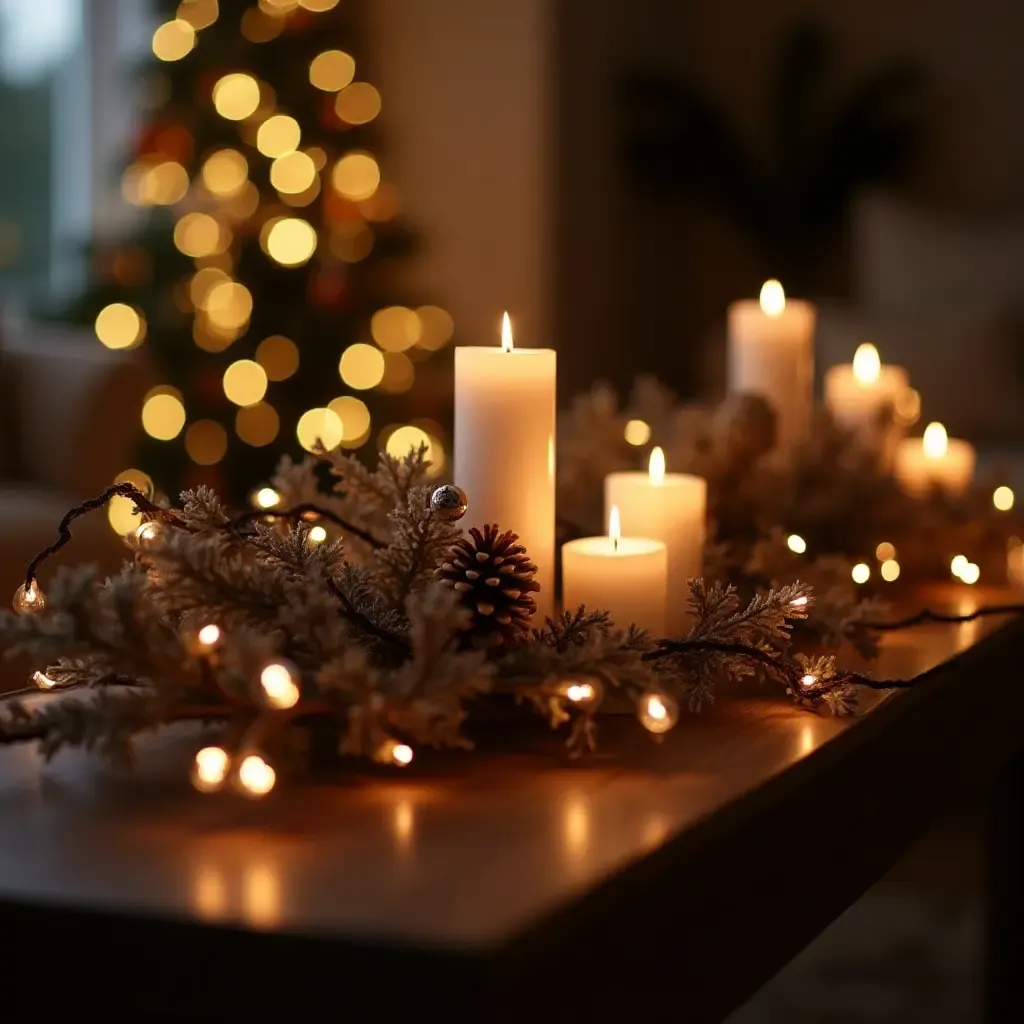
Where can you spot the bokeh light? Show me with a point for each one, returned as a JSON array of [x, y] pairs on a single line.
[[358, 103], [258, 424], [861, 572], [292, 173], [885, 551], [279, 356], [1002, 498], [260, 27], [173, 40], [318, 6], [163, 413], [199, 235], [356, 176], [355, 419], [396, 328], [890, 570], [278, 135], [291, 241], [436, 327], [361, 366], [228, 304], [145, 183], [319, 426], [202, 282], [206, 442], [236, 96], [119, 510], [332, 70], [199, 13], [245, 382], [796, 544], [408, 438], [120, 326], [225, 173], [637, 433]]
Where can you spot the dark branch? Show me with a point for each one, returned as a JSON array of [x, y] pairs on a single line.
[[300, 512], [927, 615]]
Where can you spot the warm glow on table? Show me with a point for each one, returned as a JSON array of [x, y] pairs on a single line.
[[771, 353], [934, 461], [505, 446], [857, 394], [625, 576], [670, 507]]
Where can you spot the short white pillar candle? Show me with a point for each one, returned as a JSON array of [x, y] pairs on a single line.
[[625, 576], [934, 462]]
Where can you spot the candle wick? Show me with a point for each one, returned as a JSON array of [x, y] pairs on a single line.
[[615, 544]]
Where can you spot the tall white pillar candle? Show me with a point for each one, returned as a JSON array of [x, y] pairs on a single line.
[[505, 446], [771, 353], [856, 394], [624, 576], [669, 507]]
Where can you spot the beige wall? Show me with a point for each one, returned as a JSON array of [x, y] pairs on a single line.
[[467, 87]]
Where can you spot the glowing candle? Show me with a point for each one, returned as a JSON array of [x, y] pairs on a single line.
[[857, 394], [771, 353], [669, 507], [625, 576], [934, 462], [505, 446]]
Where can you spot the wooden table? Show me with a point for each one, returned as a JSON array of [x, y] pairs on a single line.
[[676, 876]]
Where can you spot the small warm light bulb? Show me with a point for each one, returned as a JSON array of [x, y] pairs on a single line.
[[958, 565], [255, 776], [279, 687], [935, 441], [29, 599], [808, 681], [657, 712], [798, 602], [885, 551], [615, 527], [796, 544], [656, 467], [43, 681], [971, 573], [867, 364], [583, 694], [208, 636], [637, 433], [317, 535], [147, 533], [773, 298], [266, 497], [210, 769], [861, 572], [890, 570], [506, 333], [393, 752], [1002, 498]]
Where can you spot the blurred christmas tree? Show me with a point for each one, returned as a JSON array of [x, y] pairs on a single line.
[[264, 279]]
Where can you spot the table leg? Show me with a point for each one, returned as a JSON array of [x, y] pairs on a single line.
[[1004, 977]]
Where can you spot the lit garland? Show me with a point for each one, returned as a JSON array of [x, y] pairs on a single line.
[[243, 619]]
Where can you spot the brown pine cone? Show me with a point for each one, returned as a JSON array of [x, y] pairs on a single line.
[[494, 575]]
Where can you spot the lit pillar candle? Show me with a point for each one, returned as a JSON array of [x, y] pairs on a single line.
[[625, 576], [669, 507], [934, 461], [771, 353], [857, 394], [505, 446]]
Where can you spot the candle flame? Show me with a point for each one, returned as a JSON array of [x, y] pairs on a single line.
[[656, 467], [614, 526], [935, 441], [773, 298], [867, 365], [506, 333]]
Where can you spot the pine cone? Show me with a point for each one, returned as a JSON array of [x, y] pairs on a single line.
[[494, 575]]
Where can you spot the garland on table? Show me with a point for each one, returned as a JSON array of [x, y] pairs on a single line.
[[834, 499], [366, 612]]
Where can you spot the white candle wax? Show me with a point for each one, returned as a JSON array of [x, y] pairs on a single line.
[[934, 461], [856, 394], [505, 446], [771, 353], [625, 576], [669, 507]]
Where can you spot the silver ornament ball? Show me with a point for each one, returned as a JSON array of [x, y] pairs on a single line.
[[449, 502]]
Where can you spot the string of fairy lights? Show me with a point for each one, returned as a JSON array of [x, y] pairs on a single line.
[[218, 204]]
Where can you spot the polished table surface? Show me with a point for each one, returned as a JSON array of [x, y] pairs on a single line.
[[497, 876]]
